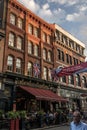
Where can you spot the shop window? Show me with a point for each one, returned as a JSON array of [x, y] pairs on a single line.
[[12, 19], [18, 65], [11, 39], [10, 63], [30, 69], [30, 47]]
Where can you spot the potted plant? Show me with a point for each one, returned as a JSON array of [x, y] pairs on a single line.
[[1, 114], [22, 114], [14, 119]]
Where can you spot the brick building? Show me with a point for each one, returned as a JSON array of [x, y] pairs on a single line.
[[30, 41]]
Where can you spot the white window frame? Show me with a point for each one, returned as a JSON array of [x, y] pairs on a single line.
[[10, 63], [18, 65], [11, 39], [19, 43], [20, 23], [12, 19]]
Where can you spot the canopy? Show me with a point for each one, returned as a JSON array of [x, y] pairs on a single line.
[[43, 94]]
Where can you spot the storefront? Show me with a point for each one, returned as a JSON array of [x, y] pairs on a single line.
[[34, 99]]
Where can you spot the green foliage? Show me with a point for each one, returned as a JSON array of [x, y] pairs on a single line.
[[13, 114], [1, 113], [22, 113]]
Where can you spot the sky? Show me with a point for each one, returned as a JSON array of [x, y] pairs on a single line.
[[71, 15]]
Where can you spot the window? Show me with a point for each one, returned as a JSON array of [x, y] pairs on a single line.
[[44, 37], [49, 56], [10, 63], [59, 55], [71, 79], [30, 69], [83, 81], [12, 19], [11, 39], [36, 50], [30, 47], [48, 39], [63, 79], [49, 74], [77, 80], [44, 54], [45, 73], [20, 23], [36, 32], [62, 53], [67, 58], [19, 43], [30, 28], [18, 65]]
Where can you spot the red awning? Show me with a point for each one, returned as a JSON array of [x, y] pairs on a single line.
[[43, 94]]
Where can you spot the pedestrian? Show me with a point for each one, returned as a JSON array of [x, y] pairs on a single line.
[[77, 124]]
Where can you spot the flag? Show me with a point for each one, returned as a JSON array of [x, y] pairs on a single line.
[[36, 68], [72, 69], [53, 75]]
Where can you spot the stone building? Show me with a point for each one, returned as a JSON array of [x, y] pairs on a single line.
[[29, 51]]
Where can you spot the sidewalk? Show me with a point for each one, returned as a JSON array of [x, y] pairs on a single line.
[[47, 127]]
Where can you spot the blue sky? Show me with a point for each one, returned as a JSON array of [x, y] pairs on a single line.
[[71, 15]]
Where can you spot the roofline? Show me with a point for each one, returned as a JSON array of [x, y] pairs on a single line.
[[69, 35]]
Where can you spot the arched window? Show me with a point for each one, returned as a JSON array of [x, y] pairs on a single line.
[[30, 69], [10, 63]]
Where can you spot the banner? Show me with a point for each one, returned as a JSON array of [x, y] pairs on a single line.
[[72, 70]]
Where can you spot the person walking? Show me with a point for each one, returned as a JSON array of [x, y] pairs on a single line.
[[77, 124]]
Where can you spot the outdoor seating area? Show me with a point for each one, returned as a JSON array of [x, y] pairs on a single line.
[[32, 120]]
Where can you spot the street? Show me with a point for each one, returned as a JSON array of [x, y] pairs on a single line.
[[59, 128]]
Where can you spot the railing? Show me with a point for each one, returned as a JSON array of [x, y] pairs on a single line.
[[4, 124]]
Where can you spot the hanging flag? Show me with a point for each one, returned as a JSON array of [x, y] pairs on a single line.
[[36, 68], [53, 75], [72, 69]]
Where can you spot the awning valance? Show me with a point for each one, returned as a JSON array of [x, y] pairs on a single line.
[[43, 94]]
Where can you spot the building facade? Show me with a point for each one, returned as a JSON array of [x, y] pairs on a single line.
[[30, 50]]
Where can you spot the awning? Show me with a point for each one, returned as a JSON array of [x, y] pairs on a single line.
[[43, 94]]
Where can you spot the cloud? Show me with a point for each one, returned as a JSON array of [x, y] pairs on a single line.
[[62, 2], [30, 4]]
